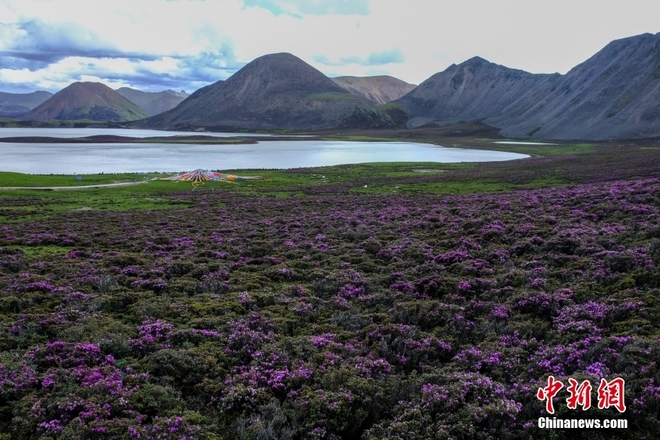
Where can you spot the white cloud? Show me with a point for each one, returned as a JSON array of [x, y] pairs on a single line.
[[299, 8], [372, 59]]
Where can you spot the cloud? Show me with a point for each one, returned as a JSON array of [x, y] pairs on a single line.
[[270, 5], [34, 44], [210, 66], [394, 56], [167, 72], [298, 8], [39, 55]]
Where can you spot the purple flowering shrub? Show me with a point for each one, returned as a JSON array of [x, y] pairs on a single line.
[[74, 390], [443, 407], [331, 316]]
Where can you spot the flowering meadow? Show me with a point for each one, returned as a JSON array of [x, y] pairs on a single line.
[[331, 316]]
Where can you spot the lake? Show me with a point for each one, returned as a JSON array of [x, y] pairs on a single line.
[[84, 132], [57, 158]]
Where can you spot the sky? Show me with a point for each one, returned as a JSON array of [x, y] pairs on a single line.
[[153, 45]]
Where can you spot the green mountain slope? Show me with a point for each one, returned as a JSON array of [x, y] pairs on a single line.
[[86, 100]]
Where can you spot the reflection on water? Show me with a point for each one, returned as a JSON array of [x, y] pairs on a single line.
[[83, 132], [132, 157], [522, 143]]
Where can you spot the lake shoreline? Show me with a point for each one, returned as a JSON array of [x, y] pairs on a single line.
[[178, 139]]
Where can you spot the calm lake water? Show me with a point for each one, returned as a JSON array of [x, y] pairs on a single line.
[[132, 157], [83, 132]]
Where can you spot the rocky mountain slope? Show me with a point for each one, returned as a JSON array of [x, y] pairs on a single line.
[[379, 89], [86, 100], [15, 104], [277, 91], [471, 91], [614, 94], [153, 103]]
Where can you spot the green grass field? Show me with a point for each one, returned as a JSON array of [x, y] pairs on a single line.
[[551, 165]]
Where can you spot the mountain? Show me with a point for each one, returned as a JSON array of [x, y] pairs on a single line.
[[153, 103], [15, 104], [379, 89], [277, 91], [471, 91], [613, 95], [86, 100]]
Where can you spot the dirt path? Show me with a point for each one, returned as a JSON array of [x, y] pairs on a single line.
[[67, 188]]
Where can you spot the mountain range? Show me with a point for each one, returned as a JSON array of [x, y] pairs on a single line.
[[614, 94], [86, 100], [276, 91], [75, 104], [153, 102], [15, 104]]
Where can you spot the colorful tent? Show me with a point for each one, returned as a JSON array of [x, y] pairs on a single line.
[[199, 177]]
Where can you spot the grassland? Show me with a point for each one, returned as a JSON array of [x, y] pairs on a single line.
[[563, 164]]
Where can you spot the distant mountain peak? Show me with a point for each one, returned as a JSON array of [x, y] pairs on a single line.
[[278, 56], [274, 91], [281, 72], [16, 104], [153, 103], [86, 100], [476, 61], [380, 89], [181, 94]]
